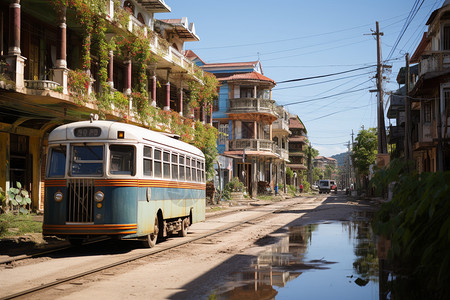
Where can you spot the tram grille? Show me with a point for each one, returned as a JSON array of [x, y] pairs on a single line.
[[80, 207]]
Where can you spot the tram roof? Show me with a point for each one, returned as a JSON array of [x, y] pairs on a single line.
[[109, 130]]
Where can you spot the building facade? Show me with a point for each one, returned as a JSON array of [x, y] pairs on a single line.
[[61, 62], [244, 114], [427, 125]]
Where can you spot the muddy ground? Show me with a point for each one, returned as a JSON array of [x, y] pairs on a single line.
[[195, 270]]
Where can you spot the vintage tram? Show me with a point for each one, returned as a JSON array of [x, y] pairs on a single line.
[[106, 178]]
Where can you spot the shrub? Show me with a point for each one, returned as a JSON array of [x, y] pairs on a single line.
[[417, 223]]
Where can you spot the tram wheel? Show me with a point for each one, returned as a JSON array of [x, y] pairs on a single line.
[[184, 228], [151, 239]]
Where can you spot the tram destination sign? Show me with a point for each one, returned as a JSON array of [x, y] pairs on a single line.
[[87, 132]]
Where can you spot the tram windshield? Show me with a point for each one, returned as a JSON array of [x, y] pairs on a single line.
[[87, 160], [57, 162]]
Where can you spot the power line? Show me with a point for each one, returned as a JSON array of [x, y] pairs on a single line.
[[326, 97], [326, 75]]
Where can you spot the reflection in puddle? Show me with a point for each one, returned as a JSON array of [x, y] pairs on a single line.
[[324, 261]]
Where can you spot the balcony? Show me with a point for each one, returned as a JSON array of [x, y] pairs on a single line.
[[252, 145], [283, 153], [253, 105], [434, 62], [396, 134]]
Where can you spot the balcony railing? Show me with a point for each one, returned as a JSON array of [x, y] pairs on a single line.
[[41, 84], [434, 62], [283, 153], [281, 124], [247, 105], [252, 144]]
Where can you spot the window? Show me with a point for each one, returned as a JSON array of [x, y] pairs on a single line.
[[203, 171], [174, 166], [188, 169], [157, 163], [223, 134], [148, 162], [199, 171], [248, 131], [194, 172], [181, 167], [87, 160], [166, 164], [246, 92], [57, 162], [446, 38], [121, 159]]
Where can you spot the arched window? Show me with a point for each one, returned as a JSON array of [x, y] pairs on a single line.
[[129, 7], [140, 18]]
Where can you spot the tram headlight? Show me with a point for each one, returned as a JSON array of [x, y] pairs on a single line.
[[58, 196], [99, 196]]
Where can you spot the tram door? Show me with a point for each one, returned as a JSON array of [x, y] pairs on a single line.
[[245, 175]]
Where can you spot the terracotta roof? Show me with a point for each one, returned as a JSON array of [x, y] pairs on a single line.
[[294, 122], [234, 64], [191, 55], [243, 76]]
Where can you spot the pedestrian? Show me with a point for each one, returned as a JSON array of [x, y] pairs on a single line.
[[301, 188]]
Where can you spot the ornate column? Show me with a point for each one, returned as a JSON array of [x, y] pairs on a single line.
[[167, 106], [14, 59], [111, 69], [154, 90], [60, 71], [128, 77], [180, 109], [211, 114]]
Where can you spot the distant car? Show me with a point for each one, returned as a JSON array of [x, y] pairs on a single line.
[[324, 186]]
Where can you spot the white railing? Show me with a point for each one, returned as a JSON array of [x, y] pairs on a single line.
[[41, 84]]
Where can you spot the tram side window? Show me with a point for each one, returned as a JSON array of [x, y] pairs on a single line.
[[174, 166], [158, 164], [57, 164], [194, 171], [122, 159], [166, 164], [203, 172], [181, 162], [188, 168], [87, 160], [199, 172], [148, 163]]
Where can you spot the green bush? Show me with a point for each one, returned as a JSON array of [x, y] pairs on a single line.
[[417, 223], [234, 185]]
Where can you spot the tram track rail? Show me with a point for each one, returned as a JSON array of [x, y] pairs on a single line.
[[156, 250]]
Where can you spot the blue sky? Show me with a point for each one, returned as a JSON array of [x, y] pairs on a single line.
[[296, 39]]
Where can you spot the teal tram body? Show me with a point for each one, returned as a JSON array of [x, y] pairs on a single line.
[[106, 178]]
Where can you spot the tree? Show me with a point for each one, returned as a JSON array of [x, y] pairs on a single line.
[[365, 153], [365, 150]]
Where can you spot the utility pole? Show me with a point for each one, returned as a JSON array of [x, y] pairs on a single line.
[[407, 139], [382, 143]]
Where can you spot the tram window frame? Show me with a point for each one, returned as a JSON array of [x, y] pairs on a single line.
[[147, 157], [199, 171], [157, 163], [203, 171], [56, 166], [181, 169], [194, 169], [174, 164], [188, 168], [166, 164], [126, 165], [86, 162]]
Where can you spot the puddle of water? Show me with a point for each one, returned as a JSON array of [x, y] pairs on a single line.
[[323, 261]]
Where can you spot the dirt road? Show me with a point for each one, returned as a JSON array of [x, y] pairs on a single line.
[[192, 271]]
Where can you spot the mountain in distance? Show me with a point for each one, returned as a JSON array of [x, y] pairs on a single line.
[[341, 158]]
